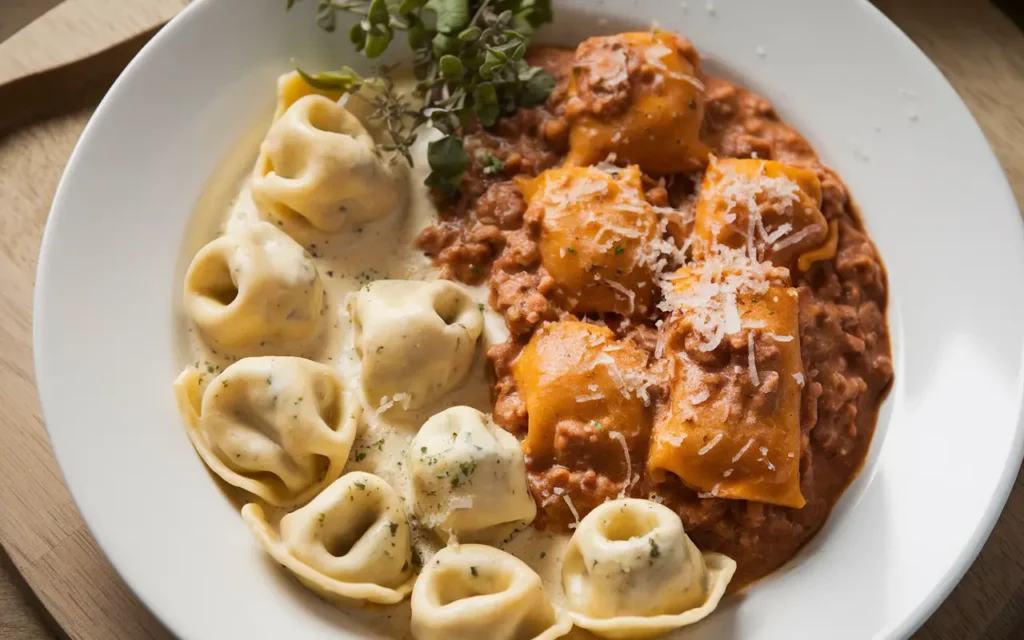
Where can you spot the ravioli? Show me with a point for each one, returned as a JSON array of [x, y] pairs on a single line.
[[595, 234], [732, 426], [768, 205], [637, 97]]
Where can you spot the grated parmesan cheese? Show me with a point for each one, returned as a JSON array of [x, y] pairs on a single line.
[[751, 360], [699, 397], [797, 237], [591, 397], [572, 508], [615, 435], [711, 445], [739, 455], [624, 291], [799, 377], [461, 502], [385, 403]]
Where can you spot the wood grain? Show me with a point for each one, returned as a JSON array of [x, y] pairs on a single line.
[[979, 50]]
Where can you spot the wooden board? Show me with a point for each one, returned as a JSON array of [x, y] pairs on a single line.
[[65, 581]]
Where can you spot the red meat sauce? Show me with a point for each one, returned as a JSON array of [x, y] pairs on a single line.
[[487, 235]]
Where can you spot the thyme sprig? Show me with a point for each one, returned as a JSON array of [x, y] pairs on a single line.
[[469, 62]]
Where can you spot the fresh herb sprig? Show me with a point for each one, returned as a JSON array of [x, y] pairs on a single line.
[[469, 61]]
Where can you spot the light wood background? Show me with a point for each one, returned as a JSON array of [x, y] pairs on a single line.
[[54, 582]]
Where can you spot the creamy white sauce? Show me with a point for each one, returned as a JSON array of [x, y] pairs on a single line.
[[346, 261]]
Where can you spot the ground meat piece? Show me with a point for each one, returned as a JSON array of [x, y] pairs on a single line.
[[502, 205], [509, 408], [740, 124], [586, 489], [519, 285]]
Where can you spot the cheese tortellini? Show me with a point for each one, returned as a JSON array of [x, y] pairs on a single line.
[[476, 591], [630, 571], [280, 428], [351, 541], [255, 291], [319, 169], [468, 474], [416, 339]]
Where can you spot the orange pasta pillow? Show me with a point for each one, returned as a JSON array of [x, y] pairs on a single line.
[[786, 201], [639, 96], [596, 230], [732, 429], [581, 387]]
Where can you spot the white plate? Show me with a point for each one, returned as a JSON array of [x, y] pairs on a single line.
[[948, 443]]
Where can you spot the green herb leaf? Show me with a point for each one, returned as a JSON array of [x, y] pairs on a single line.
[[471, 34], [377, 40], [452, 15], [343, 80], [378, 14], [408, 7], [485, 104], [537, 88], [357, 36], [444, 44], [451, 67], [447, 156], [325, 16]]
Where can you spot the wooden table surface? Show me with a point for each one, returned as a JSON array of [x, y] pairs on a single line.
[[54, 582]]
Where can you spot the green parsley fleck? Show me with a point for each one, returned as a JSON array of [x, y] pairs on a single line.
[[492, 165], [655, 551]]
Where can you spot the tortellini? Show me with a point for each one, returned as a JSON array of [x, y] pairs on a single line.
[[280, 428], [630, 571], [476, 591], [468, 474], [319, 169], [351, 541], [416, 339], [255, 291]]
